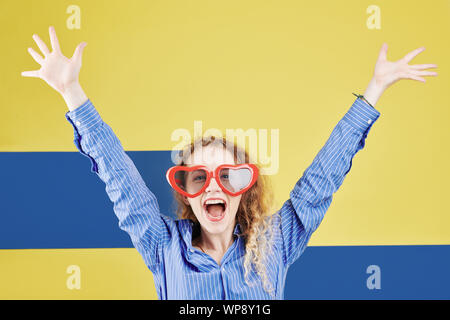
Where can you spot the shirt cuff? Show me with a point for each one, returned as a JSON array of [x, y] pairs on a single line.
[[85, 118], [361, 116]]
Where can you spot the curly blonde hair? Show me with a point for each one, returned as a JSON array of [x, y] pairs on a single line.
[[253, 213]]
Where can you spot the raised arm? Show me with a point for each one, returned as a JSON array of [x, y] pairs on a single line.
[[311, 197], [134, 204]]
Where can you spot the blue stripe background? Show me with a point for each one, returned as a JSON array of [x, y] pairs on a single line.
[[407, 272], [51, 200]]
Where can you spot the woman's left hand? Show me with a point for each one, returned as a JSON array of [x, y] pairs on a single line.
[[386, 72]]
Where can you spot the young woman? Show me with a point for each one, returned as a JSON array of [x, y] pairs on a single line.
[[226, 244]]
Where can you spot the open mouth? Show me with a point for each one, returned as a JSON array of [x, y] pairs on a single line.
[[215, 209]]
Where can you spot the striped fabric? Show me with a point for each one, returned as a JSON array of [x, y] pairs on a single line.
[[181, 271]]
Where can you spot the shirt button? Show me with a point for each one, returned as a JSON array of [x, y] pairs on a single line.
[[191, 250], [369, 121], [77, 123]]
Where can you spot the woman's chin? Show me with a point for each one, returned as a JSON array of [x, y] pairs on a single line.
[[216, 224]]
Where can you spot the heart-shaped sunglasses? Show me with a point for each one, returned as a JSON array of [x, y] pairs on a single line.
[[232, 179]]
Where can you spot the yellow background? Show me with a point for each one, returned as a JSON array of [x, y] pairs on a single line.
[[151, 67]]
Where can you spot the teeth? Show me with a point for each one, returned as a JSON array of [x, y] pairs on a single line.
[[214, 201]]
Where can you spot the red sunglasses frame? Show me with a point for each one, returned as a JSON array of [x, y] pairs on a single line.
[[170, 175]]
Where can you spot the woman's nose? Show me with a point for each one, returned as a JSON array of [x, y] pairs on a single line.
[[213, 186]]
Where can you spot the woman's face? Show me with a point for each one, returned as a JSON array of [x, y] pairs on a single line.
[[214, 218]]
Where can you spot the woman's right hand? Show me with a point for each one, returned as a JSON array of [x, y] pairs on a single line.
[[57, 70]]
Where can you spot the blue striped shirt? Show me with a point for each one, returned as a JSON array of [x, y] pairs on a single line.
[[181, 271]]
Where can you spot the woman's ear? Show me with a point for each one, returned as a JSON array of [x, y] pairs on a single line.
[[185, 200]]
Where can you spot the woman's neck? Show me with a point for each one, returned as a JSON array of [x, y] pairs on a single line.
[[214, 242], [214, 245]]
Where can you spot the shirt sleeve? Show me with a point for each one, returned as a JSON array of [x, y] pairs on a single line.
[[135, 205], [300, 215]]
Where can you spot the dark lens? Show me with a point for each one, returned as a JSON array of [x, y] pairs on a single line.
[[179, 179], [195, 180]]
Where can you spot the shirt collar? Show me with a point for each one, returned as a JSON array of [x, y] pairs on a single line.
[[237, 230]]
